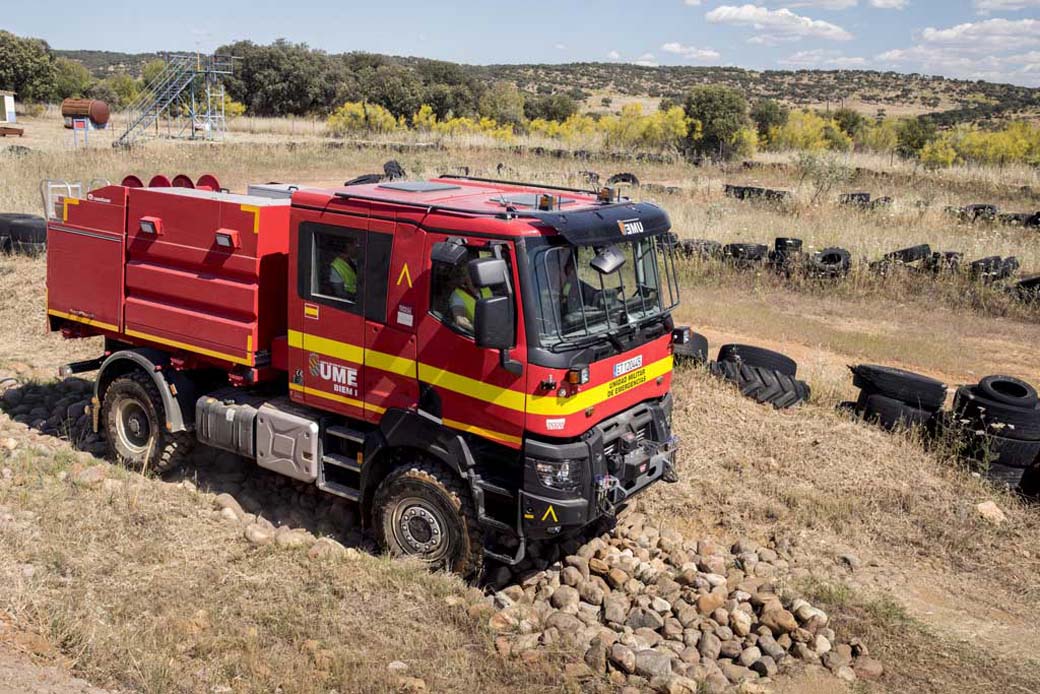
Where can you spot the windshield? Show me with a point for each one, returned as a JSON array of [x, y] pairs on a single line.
[[574, 302]]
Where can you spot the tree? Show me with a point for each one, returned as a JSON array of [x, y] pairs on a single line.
[[912, 136], [721, 112], [393, 87], [26, 67], [152, 69], [283, 78], [768, 114], [71, 78], [557, 107], [851, 122], [503, 103], [125, 87]]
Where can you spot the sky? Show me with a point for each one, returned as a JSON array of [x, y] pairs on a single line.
[[995, 40]]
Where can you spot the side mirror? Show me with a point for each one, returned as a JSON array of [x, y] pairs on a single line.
[[494, 322], [448, 252], [488, 272]]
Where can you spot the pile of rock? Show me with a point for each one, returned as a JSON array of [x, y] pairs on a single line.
[[651, 610], [56, 409]]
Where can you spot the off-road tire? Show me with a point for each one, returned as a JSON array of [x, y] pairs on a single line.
[[760, 357], [167, 450], [763, 385], [829, 263], [1021, 423], [767, 386], [890, 413], [1000, 450], [1005, 476], [911, 254], [443, 491], [745, 253], [920, 392], [1008, 390], [694, 352]]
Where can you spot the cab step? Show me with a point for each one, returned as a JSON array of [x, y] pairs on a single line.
[[341, 461], [346, 433], [340, 490]]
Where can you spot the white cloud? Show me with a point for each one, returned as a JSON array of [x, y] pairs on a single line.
[[560, 46], [823, 58], [776, 25], [690, 52], [821, 4], [987, 6], [889, 4], [1021, 68], [614, 55], [991, 34], [646, 60], [692, 3]]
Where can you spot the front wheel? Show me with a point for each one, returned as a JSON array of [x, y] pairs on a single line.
[[424, 511], [134, 423]]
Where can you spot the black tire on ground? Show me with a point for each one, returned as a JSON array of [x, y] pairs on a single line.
[[984, 267], [944, 261], [695, 351], [623, 177], [911, 254], [996, 417], [28, 235], [1028, 289], [1000, 450], [701, 248], [787, 246], [1030, 484], [767, 386], [1005, 476], [133, 420], [760, 357], [745, 252], [423, 510], [830, 262], [891, 413], [1008, 390], [5, 243], [920, 392], [1008, 267], [7, 217]]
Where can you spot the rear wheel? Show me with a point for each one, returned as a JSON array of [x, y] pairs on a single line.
[[134, 424], [424, 511]]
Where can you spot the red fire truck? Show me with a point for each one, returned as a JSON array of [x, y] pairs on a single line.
[[476, 363]]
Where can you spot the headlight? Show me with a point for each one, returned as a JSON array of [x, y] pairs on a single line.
[[563, 475]]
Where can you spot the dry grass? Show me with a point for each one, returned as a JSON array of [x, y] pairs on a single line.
[[124, 599]]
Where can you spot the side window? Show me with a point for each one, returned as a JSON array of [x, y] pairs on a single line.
[[332, 265], [453, 298]]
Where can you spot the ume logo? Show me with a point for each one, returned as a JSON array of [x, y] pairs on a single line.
[[343, 378], [630, 226]]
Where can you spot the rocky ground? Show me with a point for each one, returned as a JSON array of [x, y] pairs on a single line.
[[637, 607]]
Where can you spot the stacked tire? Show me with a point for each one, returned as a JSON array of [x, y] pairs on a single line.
[[895, 398], [765, 376], [25, 234], [998, 420]]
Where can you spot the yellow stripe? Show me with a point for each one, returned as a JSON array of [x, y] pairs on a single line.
[[256, 216], [487, 433], [552, 405], [189, 348], [503, 397], [83, 319], [495, 395], [327, 396]]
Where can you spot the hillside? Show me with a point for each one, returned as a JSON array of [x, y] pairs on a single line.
[[604, 86]]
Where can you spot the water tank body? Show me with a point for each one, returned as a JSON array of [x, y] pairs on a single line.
[[93, 109]]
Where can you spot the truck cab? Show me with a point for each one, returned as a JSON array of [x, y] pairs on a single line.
[[477, 363]]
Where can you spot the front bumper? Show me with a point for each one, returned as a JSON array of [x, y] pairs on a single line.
[[621, 456]]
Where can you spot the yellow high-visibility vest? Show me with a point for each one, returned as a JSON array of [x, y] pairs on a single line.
[[346, 273]]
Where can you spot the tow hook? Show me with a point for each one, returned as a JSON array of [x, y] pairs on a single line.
[[609, 494]]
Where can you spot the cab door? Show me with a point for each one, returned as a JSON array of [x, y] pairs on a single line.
[[462, 384], [331, 283]]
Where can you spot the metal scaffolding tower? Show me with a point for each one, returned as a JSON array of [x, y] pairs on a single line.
[[185, 100]]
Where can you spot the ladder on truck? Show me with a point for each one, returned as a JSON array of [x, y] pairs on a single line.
[[174, 89]]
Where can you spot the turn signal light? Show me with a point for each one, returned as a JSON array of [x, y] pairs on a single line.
[[227, 238], [578, 376], [150, 225]]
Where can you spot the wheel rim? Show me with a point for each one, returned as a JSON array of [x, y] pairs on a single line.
[[133, 426], [419, 529]]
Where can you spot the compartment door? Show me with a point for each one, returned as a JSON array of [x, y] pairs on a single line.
[[85, 275]]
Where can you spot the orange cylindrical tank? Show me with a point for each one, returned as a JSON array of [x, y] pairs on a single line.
[[97, 111]]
